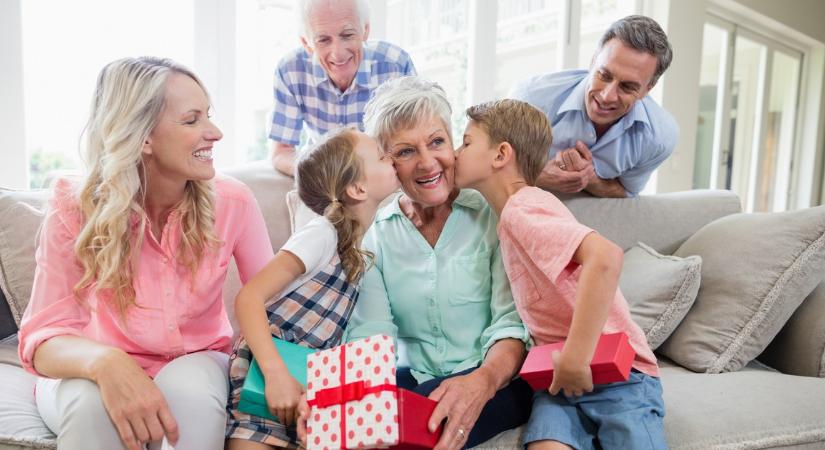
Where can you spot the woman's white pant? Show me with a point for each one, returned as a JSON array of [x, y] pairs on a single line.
[[195, 387]]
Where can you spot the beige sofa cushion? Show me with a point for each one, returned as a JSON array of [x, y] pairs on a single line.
[[20, 423], [660, 289], [749, 409], [20, 215], [799, 349], [756, 270]]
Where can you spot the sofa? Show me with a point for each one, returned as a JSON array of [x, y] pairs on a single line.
[[776, 400]]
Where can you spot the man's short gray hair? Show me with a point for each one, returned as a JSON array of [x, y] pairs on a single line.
[[402, 104], [305, 7], [643, 34]]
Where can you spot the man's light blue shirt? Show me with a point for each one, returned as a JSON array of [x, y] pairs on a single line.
[[305, 96], [630, 150], [446, 305]]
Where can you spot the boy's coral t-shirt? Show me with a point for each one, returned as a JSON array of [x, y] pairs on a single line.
[[538, 237]]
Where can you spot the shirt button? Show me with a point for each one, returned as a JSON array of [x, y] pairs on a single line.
[[171, 327], [168, 293], [435, 328]]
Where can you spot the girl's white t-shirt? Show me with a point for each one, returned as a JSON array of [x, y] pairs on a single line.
[[314, 244]]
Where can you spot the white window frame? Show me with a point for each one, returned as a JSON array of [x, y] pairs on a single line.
[[14, 171], [806, 184]]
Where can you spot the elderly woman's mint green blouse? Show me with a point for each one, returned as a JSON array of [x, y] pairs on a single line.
[[445, 305]]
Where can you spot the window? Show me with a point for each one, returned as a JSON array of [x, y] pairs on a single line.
[[235, 46], [749, 96], [434, 33], [266, 31], [596, 16], [527, 40], [65, 44]]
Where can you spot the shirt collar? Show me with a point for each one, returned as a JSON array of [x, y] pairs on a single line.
[[362, 76], [466, 198], [575, 102]]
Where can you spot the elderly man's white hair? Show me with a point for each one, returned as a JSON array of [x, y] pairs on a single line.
[[305, 7]]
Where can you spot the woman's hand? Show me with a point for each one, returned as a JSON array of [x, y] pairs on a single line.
[[283, 394], [460, 401], [134, 403], [572, 377]]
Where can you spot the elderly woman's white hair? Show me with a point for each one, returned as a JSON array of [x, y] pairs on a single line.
[[305, 7], [401, 104]]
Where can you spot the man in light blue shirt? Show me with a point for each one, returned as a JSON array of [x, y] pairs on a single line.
[[608, 135]]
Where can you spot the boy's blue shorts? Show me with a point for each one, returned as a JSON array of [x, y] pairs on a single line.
[[624, 415]]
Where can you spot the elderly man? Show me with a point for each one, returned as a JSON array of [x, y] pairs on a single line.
[[609, 135], [326, 83]]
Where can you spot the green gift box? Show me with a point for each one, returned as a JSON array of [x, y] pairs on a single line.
[[253, 400]]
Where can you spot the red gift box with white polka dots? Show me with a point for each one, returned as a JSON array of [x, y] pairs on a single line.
[[354, 401]]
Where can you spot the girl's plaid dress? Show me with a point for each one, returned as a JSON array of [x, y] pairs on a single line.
[[313, 315]]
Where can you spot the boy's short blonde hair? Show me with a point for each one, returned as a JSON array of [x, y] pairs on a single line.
[[521, 125]]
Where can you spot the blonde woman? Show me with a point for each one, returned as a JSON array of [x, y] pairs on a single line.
[[126, 325]]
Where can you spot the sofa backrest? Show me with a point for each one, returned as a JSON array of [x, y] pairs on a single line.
[[662, 221]]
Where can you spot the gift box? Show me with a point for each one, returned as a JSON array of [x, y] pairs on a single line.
[[611, 361], [354, 402], [415, 411], [253, 400]]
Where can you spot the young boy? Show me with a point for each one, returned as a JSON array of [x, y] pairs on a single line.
[[564, 278]]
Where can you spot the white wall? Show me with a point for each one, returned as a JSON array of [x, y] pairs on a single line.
[[805, 16], [13, 173]]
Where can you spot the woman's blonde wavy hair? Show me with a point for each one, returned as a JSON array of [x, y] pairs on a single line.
[[128, 100], [322, 174]]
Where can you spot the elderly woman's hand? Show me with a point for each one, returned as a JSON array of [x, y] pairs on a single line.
[[134, 403], [460, 401]]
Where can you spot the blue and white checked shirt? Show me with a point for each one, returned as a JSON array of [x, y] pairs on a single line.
[[305, 96], [630, 150]]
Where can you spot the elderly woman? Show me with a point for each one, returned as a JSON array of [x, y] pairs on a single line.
[[438, 284], [126, 324]]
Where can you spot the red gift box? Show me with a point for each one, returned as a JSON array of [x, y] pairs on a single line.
[[415, 411], [611, 361], [355, 404]]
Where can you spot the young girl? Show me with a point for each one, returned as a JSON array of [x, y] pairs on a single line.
[[312, 281]]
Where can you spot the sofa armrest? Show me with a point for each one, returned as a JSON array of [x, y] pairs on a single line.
[[662, 221], [799, 348]]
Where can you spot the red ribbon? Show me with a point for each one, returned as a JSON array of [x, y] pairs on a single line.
[[346, 392]]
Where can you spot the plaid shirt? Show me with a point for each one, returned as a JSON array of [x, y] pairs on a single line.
[[305, 94]]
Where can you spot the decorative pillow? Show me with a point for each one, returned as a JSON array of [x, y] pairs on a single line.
[[660, 289], [20, 215], [756, 270]]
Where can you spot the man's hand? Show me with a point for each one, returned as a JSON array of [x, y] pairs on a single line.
[[575, 159], [574, 378], [562, 176]]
